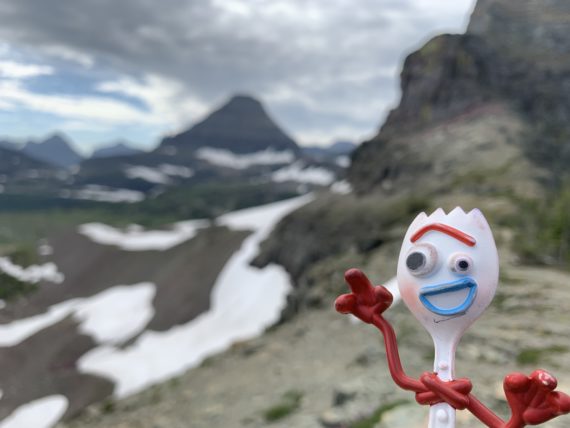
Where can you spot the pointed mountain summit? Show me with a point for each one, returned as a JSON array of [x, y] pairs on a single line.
[[119, 148], [55, 150], [242, 126]]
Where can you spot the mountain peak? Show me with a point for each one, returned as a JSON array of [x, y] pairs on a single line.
[[241, 125], [55, 150], [57, 139], [244, 99]]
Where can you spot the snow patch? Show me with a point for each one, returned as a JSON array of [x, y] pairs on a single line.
[[13, 333], [42, 413], [116, 314], [245, 301], [31, 274], [342, 161], [297, 172], [160, 175], [137, 239], [342, 187], [45, 249], [228, 159], [112, 316], [105, 194], [152, 175], [176, 170]]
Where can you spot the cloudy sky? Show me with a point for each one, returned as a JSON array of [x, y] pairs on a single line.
[[101, 70]]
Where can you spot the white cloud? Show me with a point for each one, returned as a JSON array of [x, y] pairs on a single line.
[[320, 137], [166, 98], [76, 107], [17, 70], [4, 105], [168, 107], [318, 65], [69, 54]]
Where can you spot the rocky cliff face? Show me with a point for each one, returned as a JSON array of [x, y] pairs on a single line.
[[535, 31], [513, 58], [241, 126]]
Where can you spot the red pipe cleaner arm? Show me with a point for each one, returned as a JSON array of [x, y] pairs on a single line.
[[393, 357], [367, 303]]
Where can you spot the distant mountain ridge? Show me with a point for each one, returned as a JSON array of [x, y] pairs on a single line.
[[119, 148], [14, 162], [340, 148], [56, 150], [7, 144], [241, 125]]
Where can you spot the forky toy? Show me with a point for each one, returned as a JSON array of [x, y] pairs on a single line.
[[447, 275]]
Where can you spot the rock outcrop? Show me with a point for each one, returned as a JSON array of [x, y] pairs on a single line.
[[506, 81]]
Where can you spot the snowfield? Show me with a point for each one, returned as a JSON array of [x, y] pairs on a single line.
[[342, 187], [105, 194], [245, 301], [136, 238], [31, 274], [152, 175], [297, 172], [343, 161], [159, 175], [176, 170], [42, 413], [112, 316], [228, 159]]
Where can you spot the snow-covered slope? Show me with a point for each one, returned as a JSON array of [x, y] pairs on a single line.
[[126, 350], [245, 301]]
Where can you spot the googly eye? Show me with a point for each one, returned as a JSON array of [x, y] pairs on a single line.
[[460, 263], [421, 259]]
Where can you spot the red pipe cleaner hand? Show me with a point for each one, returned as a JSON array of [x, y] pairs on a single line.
[[532, 399], [365, 301]]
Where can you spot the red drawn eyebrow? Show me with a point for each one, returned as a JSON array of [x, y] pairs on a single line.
[[448, 230]]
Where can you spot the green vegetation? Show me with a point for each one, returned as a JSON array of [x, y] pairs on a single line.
[[108, 406], [290, 401], [208, 200], [10, 287], [26, 218], [374, 418], [543, 229], [535, 355]]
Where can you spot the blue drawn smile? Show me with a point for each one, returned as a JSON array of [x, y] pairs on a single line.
[[449, 287]]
